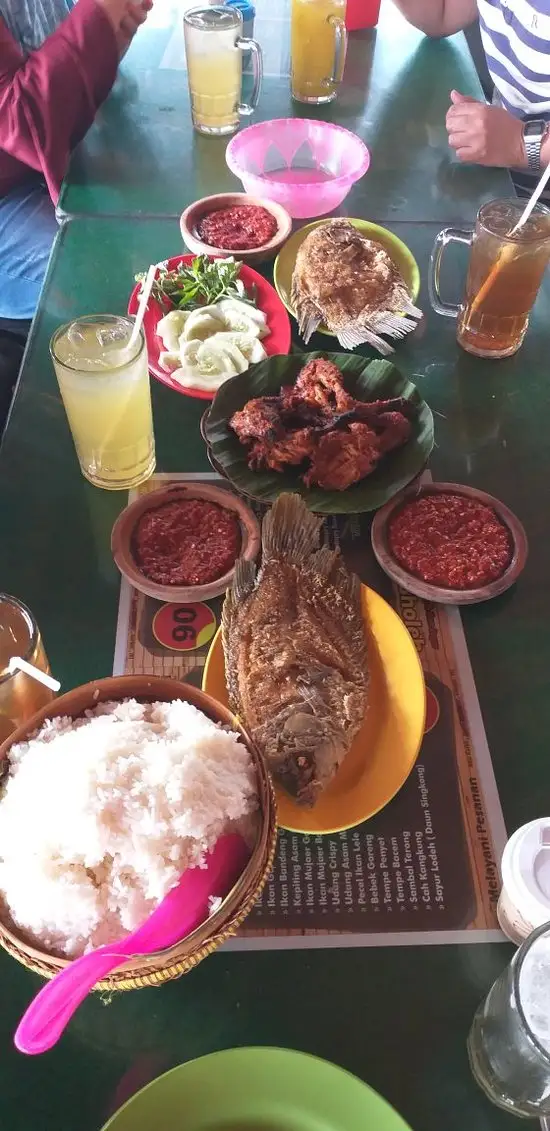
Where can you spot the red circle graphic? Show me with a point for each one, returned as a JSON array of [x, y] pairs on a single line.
[[183, 628]]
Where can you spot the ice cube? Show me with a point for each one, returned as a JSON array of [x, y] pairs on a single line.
[[113, 335], [75, 335]]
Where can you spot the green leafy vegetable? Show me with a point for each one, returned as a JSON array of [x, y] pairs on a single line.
[[201, 283]]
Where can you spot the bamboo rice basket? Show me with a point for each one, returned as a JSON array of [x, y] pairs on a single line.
[[154, 969]]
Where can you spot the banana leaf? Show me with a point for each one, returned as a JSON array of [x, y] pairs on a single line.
[[366, 380]]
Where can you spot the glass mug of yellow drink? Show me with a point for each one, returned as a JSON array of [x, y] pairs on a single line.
[[318, 45], [104, 383], [214, 47], [20, 695]]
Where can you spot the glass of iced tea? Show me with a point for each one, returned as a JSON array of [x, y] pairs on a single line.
[[104, 383], [20, 695], [504, 276]]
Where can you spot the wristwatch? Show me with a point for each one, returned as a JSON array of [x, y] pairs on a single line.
[[533, 136]]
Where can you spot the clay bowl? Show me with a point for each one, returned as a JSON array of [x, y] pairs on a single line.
[[437, 593], [192, 216], [122, 533]]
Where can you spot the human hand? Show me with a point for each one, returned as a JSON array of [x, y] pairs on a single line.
[[485, 135], [126, 17]]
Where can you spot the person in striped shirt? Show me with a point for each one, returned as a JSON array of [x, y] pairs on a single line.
[[513, 132]]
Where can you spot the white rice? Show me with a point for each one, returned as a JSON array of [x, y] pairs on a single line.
[[101, 815]]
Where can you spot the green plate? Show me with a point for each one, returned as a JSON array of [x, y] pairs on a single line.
[[366, 380], [257, 1089], [396, 249]]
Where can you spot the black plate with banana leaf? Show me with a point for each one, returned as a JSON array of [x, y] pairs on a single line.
[[365, 380]]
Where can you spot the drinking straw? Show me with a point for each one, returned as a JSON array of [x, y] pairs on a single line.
[[142, 306], [539, 189], [17, 663], [507, 253]]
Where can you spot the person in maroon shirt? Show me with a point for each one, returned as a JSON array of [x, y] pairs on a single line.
[[49, 95], [58, 62]]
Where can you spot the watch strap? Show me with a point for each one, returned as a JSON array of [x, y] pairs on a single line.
[[533, 146]]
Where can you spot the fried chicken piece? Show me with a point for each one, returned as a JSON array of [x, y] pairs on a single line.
[[343, 458], [288, 451], [317, 420], [320, 382], [379, 419], [374, 409], [395, 431], [288, 399], [298, 413], [260, 419]]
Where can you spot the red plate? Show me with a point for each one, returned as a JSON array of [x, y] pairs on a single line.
[[267, 299]]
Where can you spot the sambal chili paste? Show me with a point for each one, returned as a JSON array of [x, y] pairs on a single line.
[[239, 228], [450, 540], [186, 542]]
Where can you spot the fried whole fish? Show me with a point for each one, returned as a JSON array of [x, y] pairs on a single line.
[[351, 284], [296, 651]]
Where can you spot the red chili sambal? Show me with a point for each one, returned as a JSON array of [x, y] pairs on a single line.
[[239, 228], [450, 540], [186, 542]]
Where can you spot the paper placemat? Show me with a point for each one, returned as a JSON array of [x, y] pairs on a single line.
[[425, 869]]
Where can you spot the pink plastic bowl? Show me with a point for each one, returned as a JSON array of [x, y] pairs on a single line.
[[308, 167]]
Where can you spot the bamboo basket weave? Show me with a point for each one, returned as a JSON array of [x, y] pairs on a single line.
[[154, 969]]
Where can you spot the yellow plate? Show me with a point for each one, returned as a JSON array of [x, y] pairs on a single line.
[[396, 249], [386, 748]]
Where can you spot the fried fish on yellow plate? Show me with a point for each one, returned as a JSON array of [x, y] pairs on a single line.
[[296, 651], [350, 284]]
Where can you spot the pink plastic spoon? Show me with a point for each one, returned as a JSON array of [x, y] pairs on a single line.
[[181, 911]]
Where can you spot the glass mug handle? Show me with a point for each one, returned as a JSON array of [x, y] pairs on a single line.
[[340, 48], [247, 108], [447, 236]]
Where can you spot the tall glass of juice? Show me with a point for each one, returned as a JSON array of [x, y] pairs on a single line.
[[505, 271], [20, 695], [214, 48], [104, 383], [318, 44]]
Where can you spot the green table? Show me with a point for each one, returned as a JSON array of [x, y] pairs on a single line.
[[142, 157], [398, 1017]]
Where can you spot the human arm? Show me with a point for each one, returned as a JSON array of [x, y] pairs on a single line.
[[49, 100], [488, 135], [438, 18]]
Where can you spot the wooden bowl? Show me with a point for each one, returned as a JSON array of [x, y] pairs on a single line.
[[437, 593], [190, 219], [153, 969], [121, 541]]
